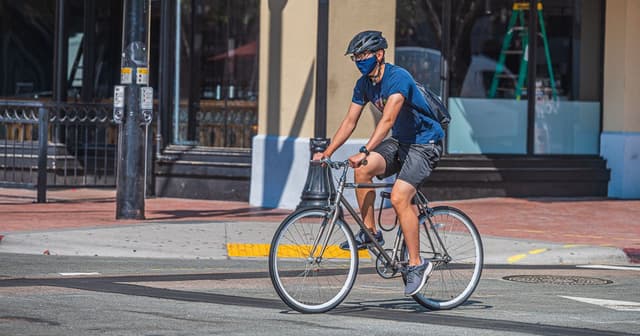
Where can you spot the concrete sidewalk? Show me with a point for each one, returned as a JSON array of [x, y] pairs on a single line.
[[517, 231]]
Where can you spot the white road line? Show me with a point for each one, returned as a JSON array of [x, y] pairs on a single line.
[[79, 273], [611, 304], [611, 267]]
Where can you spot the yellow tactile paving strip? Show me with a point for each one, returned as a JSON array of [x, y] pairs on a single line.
[[286, 251]]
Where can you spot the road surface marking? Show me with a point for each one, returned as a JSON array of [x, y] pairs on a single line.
[[287, 251], [611, 304], [518, 257], [580, 235], [538, 251], [611, 267], [79, 273], [531, 231]]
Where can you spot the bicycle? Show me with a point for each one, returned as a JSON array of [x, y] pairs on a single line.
[[312, 274]]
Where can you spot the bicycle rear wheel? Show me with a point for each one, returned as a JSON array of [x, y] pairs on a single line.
[[312, 283], [451, 241]]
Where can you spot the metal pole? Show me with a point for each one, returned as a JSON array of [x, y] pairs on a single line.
[[43, 137], [60, 54], [89, 51], [134, 119], [320, 130], [318, 187], [165, 75], [531, 82], [445, 59]]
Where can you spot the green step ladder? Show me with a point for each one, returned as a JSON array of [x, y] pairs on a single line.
[[517, 16]]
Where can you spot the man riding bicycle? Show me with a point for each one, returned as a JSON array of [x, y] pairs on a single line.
[[412, 151]]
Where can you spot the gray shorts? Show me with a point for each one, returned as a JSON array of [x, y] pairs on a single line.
[[412, 162]]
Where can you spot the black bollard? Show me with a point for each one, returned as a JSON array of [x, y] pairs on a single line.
[[318, 190]]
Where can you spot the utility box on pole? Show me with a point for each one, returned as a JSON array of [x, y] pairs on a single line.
[[132, 110]]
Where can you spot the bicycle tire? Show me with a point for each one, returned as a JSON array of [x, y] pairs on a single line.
[[451, 282], [303, 284]]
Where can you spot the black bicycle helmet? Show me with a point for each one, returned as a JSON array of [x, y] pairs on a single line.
[[369, 40]]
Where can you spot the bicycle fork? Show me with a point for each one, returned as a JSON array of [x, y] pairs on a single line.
[[332, 224]]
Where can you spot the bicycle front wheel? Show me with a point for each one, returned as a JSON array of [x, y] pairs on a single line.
[[307, 276], [451, 241]]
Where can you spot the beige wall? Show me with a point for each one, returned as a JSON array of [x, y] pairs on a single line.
[[622, 67], [343, 25], [288, 31], [287, 70]]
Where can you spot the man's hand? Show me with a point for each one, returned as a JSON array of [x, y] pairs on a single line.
[[357, 159], [318, 156]]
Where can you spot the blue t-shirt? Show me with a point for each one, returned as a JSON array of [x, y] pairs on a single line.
[[413, 124]]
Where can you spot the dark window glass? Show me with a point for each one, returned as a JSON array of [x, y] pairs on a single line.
[[568, 77], [26, 36], [218, 72], [108, 47], [489, 77], [419, 40], [27, 32]]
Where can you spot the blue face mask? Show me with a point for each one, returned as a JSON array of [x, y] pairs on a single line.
[[367, 65]]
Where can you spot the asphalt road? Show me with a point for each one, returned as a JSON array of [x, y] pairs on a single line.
[[56, 295]]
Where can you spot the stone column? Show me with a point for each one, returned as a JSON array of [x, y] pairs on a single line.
[[620, 139], [286, 105]]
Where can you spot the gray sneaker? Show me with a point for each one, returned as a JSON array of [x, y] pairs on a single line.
[[362, 240], [417, 276]]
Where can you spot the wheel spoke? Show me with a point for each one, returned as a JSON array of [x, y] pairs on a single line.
[[322, 282], [458, 255]]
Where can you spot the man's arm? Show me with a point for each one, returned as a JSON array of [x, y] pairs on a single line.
[[344, 131], [391, 110]]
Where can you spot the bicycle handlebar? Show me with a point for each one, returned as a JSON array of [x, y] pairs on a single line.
[[335, 164], [339, 164]]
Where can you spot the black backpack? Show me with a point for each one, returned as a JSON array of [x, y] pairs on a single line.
[[440, 112]]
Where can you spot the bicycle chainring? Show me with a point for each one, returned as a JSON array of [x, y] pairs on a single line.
[[384, 270]]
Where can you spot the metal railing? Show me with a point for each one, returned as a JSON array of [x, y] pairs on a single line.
[[67, 144], [228, 124]]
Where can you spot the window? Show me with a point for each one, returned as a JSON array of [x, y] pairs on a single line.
[[489, 72], [488, 107], [26, 32], [419, 40], [568, 78], [218, 65]]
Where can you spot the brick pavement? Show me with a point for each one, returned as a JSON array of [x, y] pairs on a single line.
[[602, 222]]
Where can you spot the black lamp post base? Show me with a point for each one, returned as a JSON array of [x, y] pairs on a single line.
[[318, 189]]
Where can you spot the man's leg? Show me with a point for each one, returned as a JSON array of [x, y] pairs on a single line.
[[366, 197], [401, 197], [419, 161], [418, 270]]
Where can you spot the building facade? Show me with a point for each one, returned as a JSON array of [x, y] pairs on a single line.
[[543, 101]]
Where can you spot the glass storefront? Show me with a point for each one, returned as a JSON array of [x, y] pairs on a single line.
[[215, 64], [27, 33], [489, 74], [214, 61], [419, 41], [217, 101], [568, 122]]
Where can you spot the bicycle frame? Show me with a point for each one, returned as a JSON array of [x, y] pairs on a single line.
[[316, 228], [377, 250]]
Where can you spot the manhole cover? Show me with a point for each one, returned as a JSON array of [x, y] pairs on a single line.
[[557, 280]]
